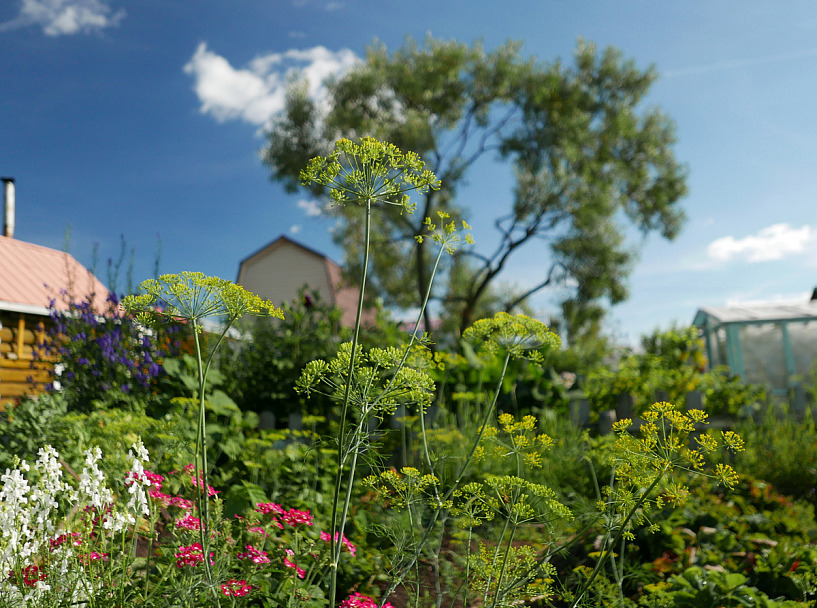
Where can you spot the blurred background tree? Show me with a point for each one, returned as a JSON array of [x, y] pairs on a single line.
[[588, 156]]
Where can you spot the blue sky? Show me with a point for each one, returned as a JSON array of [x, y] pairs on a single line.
[[143, 118]]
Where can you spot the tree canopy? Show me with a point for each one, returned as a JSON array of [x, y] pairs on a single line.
[[588, 155]]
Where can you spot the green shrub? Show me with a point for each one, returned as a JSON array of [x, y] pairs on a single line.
[[673, 363]]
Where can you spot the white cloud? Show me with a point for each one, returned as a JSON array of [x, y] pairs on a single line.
[[65, 17], [257, 92], [774, 242], [311, 208], [295, 228]]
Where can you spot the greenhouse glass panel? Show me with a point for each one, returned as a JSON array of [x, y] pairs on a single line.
[[720, 348], [763, 356], [803, 337]]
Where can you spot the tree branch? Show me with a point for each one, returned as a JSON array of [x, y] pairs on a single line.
[[519, 299]]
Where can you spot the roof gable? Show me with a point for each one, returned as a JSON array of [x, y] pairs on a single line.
[[275, 244]]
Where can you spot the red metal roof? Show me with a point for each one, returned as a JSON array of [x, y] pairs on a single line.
[[32, 275]]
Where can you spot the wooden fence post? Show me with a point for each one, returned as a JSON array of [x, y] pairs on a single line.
[[606, 420], [579, 412], [625, 403], [694, 401]]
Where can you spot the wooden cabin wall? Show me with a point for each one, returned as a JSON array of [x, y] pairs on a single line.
[[22, 372]]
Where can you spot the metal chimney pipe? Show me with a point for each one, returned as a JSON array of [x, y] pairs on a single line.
[[8, 198]]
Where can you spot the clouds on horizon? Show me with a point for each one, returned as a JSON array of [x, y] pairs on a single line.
[[774, 242], [255, 93], [65, 17]]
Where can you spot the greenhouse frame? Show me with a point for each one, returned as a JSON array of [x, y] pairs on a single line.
[[774, 345]]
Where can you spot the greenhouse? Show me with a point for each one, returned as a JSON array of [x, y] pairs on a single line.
[[774, 345]]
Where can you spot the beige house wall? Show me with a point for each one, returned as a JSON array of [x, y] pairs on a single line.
[[277, 272]]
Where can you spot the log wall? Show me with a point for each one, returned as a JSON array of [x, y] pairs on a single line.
[[22, 372]]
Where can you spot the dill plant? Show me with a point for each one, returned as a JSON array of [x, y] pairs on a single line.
[[500, 576], [646, 461], [191, 297], [370, 385]]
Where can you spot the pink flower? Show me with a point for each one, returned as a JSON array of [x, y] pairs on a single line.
[[56, 542], [358, 600], [210, 490], [159, 497], [299, 571], [256, 555], [188, 522], [352, 548], [235, 587], [269, 507], [130, 477], [191, 555], [182, 503], [155, 479], [93, 556], [293, 517], [257, 530]]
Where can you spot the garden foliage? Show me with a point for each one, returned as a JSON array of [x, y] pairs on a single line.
[[435, 482], [673, 362]]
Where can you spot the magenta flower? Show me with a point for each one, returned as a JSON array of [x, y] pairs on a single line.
[[352, 548], [235, 587], [155, 479], [188, 522], [269, 507], [293, 517], [62, 538], [210, 490], [299, 571], [257, 530], [182, 503], [191, 555], [256, 555], [31, 575], [93, 556], [358, 600]]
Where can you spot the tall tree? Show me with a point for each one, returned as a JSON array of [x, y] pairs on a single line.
[[588, 159]]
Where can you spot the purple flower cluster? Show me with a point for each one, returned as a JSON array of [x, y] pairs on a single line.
[[104, 356]]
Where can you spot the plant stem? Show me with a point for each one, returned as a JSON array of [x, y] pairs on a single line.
[[453, 487], [336, 539], [201, 479], [493, 562], [616, 540]]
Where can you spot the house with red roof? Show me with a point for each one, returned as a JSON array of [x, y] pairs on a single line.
[[31, 278], [278, 270]]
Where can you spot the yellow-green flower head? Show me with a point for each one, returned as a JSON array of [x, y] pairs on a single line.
[[519, 336], [447, 234], [193, 296], [371, 171]]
